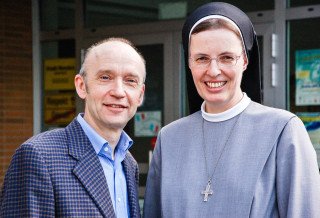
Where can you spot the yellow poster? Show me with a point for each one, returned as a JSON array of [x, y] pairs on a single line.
[[59, 108], [59, 74]]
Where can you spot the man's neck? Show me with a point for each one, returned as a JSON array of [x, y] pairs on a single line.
[[111, 135]]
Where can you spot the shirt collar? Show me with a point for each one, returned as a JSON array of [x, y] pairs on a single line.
[[100, 145], [228, 114], [124, 143]]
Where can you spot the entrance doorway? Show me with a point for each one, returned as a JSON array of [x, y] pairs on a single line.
[[165, 95]]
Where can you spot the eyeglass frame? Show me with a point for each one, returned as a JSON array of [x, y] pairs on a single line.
[[206, 65]]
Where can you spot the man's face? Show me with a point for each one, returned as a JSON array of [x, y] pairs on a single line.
[[113, 86]]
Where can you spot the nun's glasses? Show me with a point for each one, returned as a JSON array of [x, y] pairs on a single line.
[[223, 61]]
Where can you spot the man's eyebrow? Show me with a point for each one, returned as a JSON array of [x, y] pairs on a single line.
[[103, 71], [131, 74]]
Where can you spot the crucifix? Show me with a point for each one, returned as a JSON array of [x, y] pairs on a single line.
[[207, 192]]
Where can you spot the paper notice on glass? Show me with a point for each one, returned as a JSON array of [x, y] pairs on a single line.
[[312, 124], [147, 123], [307, 77]]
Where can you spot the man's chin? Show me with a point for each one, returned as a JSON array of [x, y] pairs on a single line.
[[117, 124]]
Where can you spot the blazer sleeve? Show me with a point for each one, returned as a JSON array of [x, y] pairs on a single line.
[[152, 200], [298, 179], [27, 189]]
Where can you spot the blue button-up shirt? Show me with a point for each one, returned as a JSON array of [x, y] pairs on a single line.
[[112, 168]]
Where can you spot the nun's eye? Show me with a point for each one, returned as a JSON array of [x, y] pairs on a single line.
[[227, 59], [223, 61], [202, 60]]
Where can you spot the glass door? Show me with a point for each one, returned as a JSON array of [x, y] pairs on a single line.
[[303, 76], [151, 115], [270, 81]]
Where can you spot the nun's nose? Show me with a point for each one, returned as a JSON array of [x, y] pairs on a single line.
[[213, 68]]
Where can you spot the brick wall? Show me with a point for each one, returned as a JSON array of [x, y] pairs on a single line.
[[16, 101]]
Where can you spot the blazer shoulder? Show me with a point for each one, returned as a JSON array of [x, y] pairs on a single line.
[[56, 138], [48, 137]]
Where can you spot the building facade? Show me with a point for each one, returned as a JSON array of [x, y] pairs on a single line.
[[43, 43]]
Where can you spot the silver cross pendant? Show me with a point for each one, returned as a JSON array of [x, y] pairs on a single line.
[[207, 191]]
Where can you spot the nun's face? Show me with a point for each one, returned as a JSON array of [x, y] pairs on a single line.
[[218, 83]]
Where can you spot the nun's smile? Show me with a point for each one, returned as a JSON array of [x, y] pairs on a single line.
[[215, 84]]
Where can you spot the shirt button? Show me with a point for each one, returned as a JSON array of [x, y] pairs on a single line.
[[119, 199], [106, 149]]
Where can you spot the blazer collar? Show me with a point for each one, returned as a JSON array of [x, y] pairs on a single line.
[[131, 172], [79, 142], [90, 172], [88, 169]]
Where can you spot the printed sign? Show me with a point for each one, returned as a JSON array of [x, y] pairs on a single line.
[[147, 123], [59, 108], [308, 77], [312, 124], [59, 74]]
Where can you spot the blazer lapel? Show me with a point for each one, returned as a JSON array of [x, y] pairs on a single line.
[[131, 174], [89, 170]]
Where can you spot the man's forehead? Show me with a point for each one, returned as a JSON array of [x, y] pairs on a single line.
[[114, 50], [114, 54], [114, 46]]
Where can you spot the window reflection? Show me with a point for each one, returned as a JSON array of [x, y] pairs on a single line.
[[296, 3], [57, 14], [116, 12]]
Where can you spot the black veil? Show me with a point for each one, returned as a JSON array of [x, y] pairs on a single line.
[[251, 80]]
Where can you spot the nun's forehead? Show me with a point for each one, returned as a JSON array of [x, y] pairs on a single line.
[[222, 18], [220, 10], [215, 17]]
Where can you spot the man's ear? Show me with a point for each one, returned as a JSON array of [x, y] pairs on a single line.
[[80, 86], [141, 97]]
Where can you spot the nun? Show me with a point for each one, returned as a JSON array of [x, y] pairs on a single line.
[[232, 157]]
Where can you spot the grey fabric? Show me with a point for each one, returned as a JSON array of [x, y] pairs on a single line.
[[268, 169]]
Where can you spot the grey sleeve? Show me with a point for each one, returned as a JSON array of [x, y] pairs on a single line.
[[298, 179], [152, 200]]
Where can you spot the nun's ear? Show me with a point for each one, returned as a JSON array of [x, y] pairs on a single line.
[[245, 62], [245, 67]]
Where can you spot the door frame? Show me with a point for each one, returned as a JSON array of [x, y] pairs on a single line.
[[270, 80]]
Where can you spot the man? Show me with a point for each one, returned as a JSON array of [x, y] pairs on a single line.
[[85, 169]]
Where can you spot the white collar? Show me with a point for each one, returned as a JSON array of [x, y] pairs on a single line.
[[228, 114]]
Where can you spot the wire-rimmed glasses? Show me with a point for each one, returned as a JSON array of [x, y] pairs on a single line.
[[223, 61]]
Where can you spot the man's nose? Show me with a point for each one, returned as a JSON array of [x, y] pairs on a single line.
[[118, 88]]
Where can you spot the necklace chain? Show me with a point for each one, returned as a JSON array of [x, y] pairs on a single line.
[[208, 191]]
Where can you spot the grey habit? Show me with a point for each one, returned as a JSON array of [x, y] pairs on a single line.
[[268, 168], [261, 160]]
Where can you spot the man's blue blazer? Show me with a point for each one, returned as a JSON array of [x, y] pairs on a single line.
[[58, 174]]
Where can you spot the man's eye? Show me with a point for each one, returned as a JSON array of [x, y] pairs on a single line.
[[132, 81], [104, 77]]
